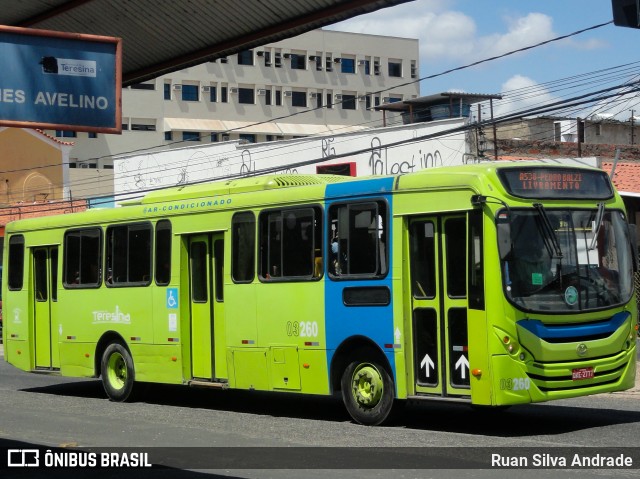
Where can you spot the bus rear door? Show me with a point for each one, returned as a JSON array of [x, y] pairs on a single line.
[[45, 297], [438, 261], [206, 254]]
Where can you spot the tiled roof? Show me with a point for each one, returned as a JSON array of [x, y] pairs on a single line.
[[68, 143], [627, 176]]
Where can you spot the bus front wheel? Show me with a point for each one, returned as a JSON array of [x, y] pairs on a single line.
[[367, 392], [117, 372]]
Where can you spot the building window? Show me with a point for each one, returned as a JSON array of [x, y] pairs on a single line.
[[247, 137], [213, 94], [167, 91], [299, 98], [190, 93], [267, 96], [395, 69], [142, 125], [348, 65], [329, 64], [329, 100], [190, 136], [367, 101], [318, 100], [144, 86], [67, 134], [246, 95], [224, 94], [278, 97], [598, 129], [128, 251], [348, 102], [214, 137], [367, 67], [318, 60], [245, 57], [92, 135], [414, 69], [298, 62], [278, 59], [267, 59], [168, 135]]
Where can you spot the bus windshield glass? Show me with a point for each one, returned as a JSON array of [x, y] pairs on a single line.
[[567, 260]]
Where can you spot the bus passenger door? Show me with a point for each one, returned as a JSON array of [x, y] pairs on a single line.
[[206, 300], [45, 296], [438, 262]]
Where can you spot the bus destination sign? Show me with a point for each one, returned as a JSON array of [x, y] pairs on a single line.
[[543, 182]]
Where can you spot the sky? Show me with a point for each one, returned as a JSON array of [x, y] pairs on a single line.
[[455, 33]]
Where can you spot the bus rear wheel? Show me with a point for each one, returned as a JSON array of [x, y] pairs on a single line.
[[367, 392], [117, 372]]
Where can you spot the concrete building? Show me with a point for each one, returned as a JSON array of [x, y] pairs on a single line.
[[320, 82]]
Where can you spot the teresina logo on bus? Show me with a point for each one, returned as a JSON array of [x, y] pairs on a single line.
[[117, 316]]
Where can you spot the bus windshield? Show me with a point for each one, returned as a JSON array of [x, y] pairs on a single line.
[[567, 260]]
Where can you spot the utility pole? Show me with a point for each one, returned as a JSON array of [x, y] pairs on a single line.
[[579, 137], [632, 138], [495, 134]]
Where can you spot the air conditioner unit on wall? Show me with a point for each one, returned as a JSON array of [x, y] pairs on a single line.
[[287, 55], [262, 91], [362, 62], [313, 57], [206, 89], [288, 93], [177, 86], [338, 97], [362, 97], [260, 53], [337, 60], [233, 90], [313, 95]]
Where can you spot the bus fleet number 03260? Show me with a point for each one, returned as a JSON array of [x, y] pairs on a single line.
[[303, 329]]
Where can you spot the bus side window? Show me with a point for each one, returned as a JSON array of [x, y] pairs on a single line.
[[16, 262], [358, 237], [82, 257], [243, 243], [290, 244], [163, 252]]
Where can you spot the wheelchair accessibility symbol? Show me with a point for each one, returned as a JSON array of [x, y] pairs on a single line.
[[172, 298]]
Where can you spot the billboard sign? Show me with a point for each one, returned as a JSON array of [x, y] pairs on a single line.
[[60, 81]]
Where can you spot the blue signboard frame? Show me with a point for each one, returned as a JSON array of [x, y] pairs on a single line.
[[60, 81]]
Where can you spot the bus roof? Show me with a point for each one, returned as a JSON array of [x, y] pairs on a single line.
[[479, 177]]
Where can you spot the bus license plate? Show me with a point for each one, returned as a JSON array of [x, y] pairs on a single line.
[[582, 373]]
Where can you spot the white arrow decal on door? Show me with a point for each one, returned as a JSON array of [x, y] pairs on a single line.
[[427, 364], [463, 363]]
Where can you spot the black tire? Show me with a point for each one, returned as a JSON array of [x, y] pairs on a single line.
[[367, 392], [118, 375]]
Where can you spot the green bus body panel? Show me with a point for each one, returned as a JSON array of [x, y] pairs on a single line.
[[256, 329]]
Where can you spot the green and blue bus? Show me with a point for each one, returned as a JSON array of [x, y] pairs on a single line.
[[494, 284]]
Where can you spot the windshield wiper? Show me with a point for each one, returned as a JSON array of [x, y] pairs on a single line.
[[550, 233], [597, 225]]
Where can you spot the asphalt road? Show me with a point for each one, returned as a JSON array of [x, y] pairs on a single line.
[[42, 410]]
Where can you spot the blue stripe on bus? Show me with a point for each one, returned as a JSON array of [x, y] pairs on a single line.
[[578, 331], [371, 186], [373, 322]]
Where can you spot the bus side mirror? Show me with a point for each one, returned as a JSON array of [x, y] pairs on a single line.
[[633, 238], [504, 239]]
